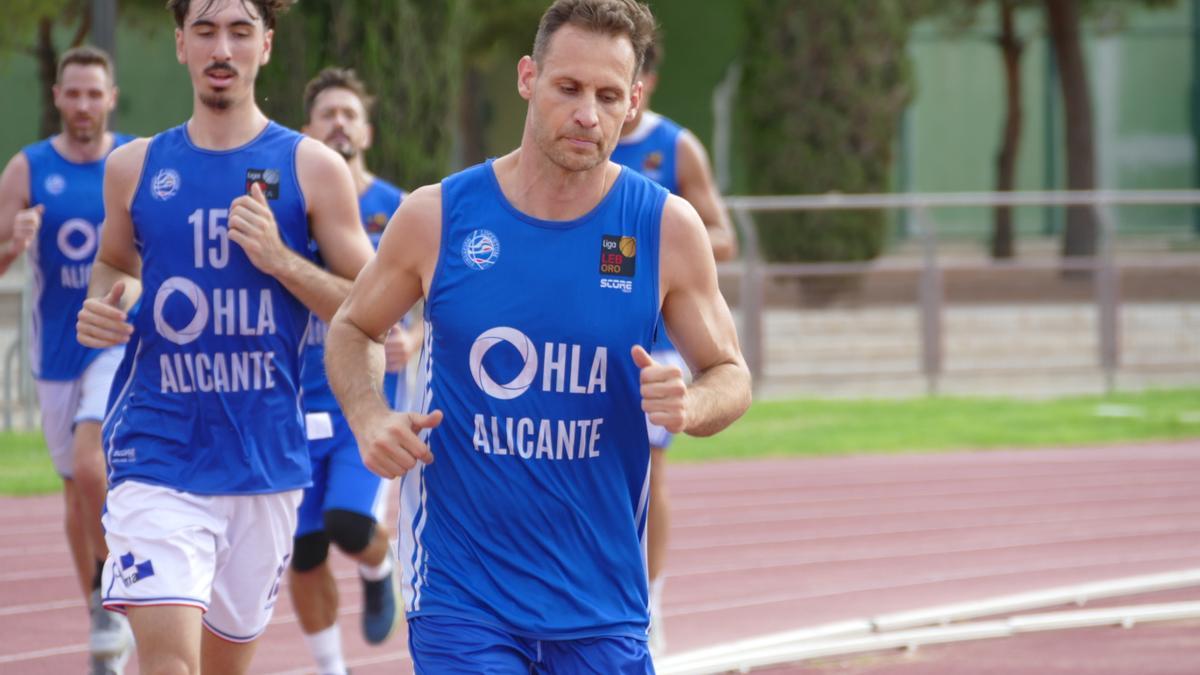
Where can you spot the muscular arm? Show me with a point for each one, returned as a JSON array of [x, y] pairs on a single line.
[[387, 288], [14, 196], [697, 186], [700, 324], [333, 213], [103, 319]]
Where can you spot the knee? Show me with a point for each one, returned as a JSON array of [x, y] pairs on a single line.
[[309, 551], [351, 531]]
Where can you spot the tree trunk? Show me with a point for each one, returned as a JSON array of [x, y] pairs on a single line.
[[1079, 237], [1011, 47], [47, 69], [472, 118]]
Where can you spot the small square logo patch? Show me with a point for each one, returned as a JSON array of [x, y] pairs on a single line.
[[618, 255], [267, 179]]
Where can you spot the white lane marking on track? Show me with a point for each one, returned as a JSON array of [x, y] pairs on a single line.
[[731, 540], [50, 606], [43, 653], [351, 663], [1007, 570], [911, 552]]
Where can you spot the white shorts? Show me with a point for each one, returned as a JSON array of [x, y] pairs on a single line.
[[67, 403], [659, 436], [225, 554]]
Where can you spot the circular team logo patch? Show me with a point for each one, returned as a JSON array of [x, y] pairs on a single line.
[[77, 239], [481, 249], [524, 347], [192, 293], [165, 184], [55, 184]]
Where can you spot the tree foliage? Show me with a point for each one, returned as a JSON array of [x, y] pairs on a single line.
[[408, 52], [824, 88]]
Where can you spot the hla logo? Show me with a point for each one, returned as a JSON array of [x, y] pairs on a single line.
[[561, 372]]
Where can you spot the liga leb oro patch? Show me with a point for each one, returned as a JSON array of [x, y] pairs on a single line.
[[618, 255], [267, 179]]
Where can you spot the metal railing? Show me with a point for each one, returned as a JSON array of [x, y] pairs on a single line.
[[931, 296]]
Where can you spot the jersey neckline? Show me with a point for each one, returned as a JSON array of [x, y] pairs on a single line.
[[551, 224], [187, 140]]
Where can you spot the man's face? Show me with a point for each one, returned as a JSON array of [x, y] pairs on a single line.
[[223, 45], [339, 119], [84, 96], [580, 96]]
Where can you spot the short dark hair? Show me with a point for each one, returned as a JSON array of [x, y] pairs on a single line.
[[269, 10], [630, 18], [336, 78], [654, 56], [85, 55]]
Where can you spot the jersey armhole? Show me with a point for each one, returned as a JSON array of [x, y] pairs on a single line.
[[300, 186], [137, 188], [660, 325], [443, 242]]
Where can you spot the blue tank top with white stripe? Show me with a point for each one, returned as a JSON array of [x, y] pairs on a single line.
[[532, 516], [61, 257], [376, 207], [207, 398]]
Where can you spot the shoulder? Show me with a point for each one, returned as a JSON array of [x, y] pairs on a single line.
[[321, 171], [125, 161], [418, 224], [682, 227], [17, 168]]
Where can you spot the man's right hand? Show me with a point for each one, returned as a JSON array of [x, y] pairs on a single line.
[[25, 227], [102, 323], [390, 445]]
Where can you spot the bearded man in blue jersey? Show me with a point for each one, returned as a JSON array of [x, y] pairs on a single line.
[[51, 207], [210, 224], [666, 153], [545, 274], [346, 502]]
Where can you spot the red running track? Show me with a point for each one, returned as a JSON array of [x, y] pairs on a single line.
[[764, 546]]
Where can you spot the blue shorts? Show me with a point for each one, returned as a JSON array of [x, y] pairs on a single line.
[[339, 478], [441, 644]]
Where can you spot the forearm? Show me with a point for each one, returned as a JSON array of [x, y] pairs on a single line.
[[320, 290], [349, 355], [724, 243], [716, 398], [105, 276]]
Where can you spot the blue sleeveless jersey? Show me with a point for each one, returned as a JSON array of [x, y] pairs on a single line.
[[376, 205], [207, 398], [61, 257], [651, 151], [532, 516]]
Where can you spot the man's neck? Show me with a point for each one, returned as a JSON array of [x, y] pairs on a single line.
[[358, 169], [632, 125], [540, 188], [227, 129], [83, 152]]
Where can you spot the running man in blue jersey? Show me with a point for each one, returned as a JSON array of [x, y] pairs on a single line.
[[51, 207], [673, 157], [346, 501], [209, 224], [545, 274]]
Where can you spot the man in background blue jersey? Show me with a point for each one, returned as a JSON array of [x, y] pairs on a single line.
[[673, 157], [346, 501], [210, 223], [545, 274], [51, 206]]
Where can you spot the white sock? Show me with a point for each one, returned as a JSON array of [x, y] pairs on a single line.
[[376, 572], [656, 591], [326, 648]]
